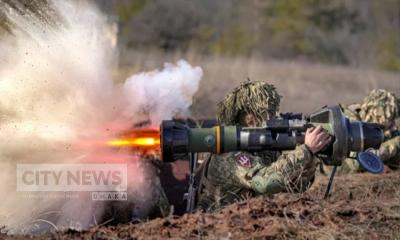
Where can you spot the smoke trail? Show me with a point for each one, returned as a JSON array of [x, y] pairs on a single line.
[[56, 95], [175, 87]]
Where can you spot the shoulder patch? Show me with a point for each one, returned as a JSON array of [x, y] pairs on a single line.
[[243, 160]]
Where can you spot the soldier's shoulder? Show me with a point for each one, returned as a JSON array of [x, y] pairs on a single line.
[[395, 140]]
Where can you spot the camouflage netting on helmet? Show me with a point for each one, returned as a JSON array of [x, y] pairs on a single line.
[[257, 98], [380, 106]]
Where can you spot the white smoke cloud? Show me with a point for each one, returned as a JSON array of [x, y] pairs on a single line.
[[56, 93], [163, 94]]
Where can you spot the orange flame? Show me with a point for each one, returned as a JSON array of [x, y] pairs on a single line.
[[140, 138], [145, 142]]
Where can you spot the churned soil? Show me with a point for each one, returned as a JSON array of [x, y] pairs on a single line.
[[362, 206]]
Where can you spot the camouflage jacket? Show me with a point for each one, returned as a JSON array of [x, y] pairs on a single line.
[[389, 151], [238, 175]]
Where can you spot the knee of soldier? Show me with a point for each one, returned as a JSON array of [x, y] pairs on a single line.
[[267, 184]]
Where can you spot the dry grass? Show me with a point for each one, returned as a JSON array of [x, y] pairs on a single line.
[[306, 87], [362, 206]]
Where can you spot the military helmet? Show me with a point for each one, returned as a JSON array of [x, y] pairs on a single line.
[[257, 98], [380, 106]]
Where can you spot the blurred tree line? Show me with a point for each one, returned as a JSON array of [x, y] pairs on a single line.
[[352, 32]]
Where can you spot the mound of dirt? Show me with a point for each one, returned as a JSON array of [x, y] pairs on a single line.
[[362, 206]]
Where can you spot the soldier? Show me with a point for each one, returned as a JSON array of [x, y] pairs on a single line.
[[234, 176], [381, 107]]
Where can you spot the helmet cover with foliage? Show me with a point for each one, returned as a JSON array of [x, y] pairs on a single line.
[[380, 106], [257, 98]]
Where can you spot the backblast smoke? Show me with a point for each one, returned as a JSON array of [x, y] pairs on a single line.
[[58, 102]]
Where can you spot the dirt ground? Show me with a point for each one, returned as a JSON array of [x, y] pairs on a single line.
[[362, 206]]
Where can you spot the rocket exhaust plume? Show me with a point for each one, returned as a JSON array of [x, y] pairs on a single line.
[[142, 138], [57, 97]]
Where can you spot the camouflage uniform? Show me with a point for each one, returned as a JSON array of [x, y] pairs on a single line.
[[234, 176], [381, 107]]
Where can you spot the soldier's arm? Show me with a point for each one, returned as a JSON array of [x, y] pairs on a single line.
[[389, 152], [389, 149], [294, 171]]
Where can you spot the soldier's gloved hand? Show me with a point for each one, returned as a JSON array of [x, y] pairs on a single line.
[[316, 139]]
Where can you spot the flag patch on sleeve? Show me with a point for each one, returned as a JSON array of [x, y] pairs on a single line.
[[243, 160]]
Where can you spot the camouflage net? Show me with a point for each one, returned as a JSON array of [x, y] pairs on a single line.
[[259, 99], [380, 106]]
